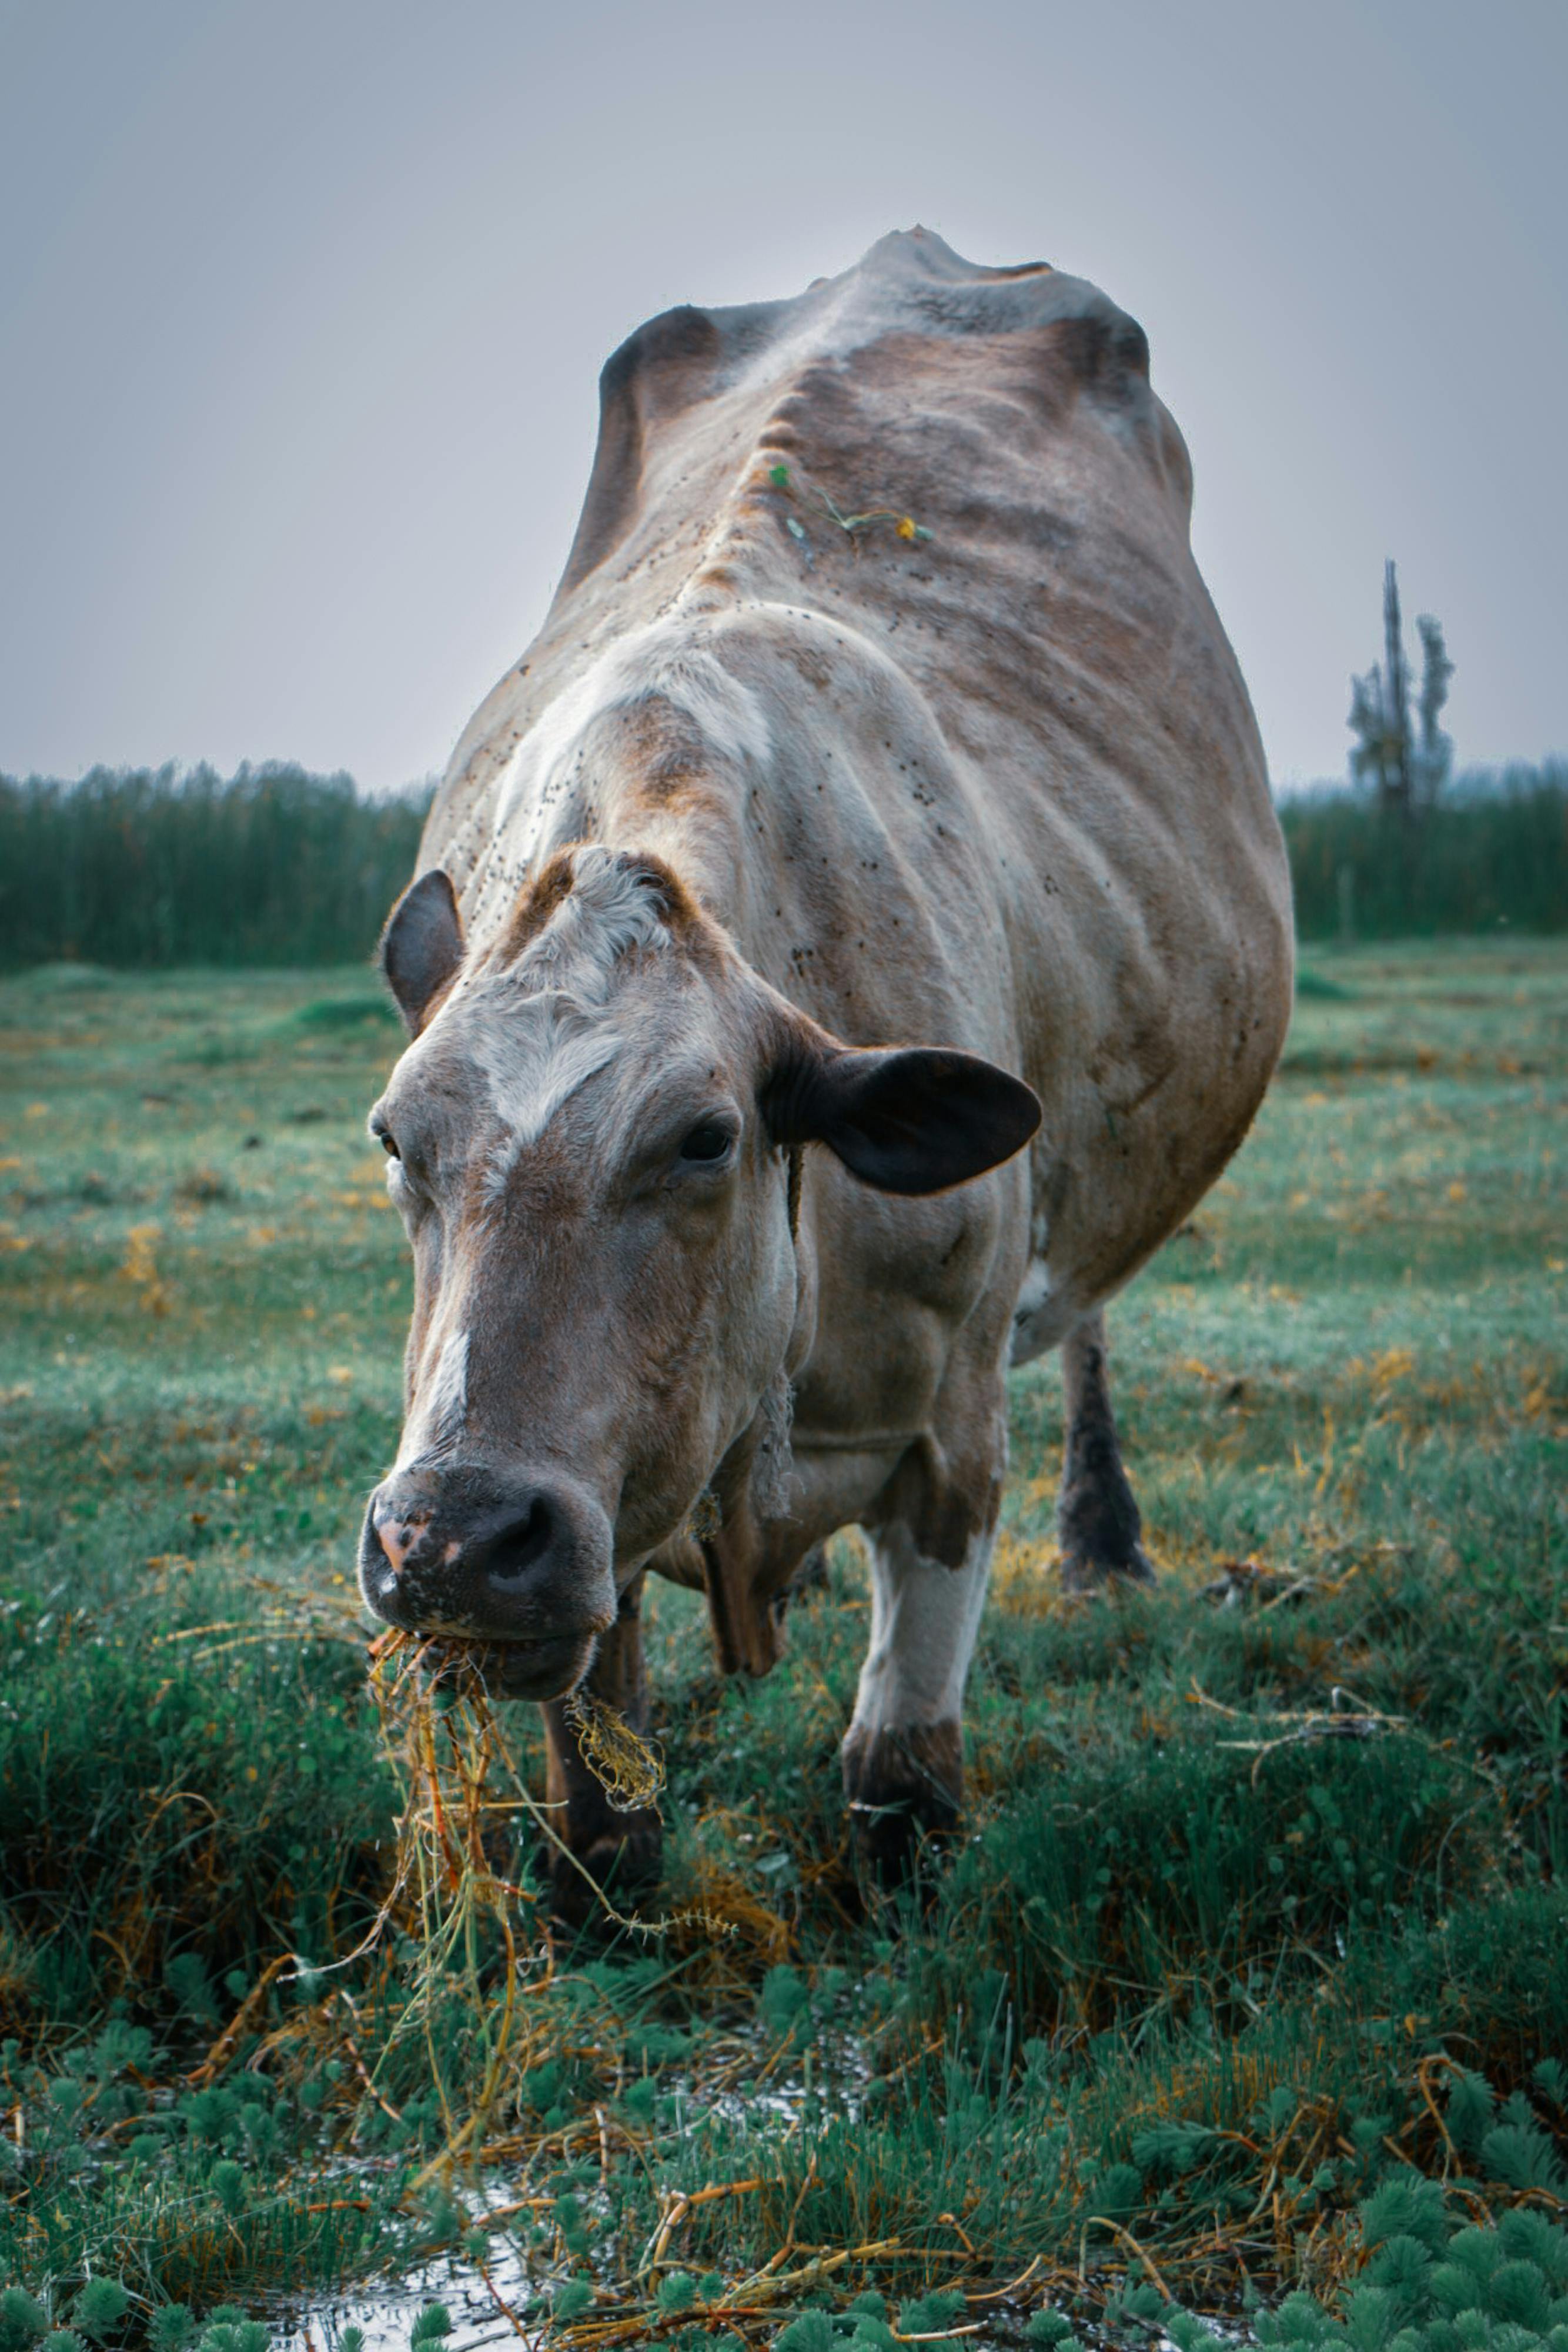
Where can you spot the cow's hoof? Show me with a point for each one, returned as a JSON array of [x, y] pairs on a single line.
[[905, 1788], [610, 1873], [1082, 1573]]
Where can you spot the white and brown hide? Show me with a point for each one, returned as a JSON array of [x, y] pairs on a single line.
[[882, 632]]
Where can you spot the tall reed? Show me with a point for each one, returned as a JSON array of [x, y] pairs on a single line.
[[137, 866], [274, 865], [1493, 852]]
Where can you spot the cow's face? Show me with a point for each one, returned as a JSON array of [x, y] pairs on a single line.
[[588, 1139]]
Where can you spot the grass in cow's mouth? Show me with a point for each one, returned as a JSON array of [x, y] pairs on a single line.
[[1233, 1984]]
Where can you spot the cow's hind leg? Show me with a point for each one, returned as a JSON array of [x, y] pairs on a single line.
[[620, 1851], [1097, 1521], [904, 1752]]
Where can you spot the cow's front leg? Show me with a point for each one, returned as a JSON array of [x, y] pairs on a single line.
[[904, 1751], [1097, 1520], [621, 1851]]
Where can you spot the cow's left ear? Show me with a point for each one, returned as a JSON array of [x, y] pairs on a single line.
[[914, 1120], [421, 945]]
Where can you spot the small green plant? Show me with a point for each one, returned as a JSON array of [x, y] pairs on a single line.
[[100, 2308]]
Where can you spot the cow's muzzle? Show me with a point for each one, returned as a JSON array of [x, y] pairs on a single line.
[[518, 1565]]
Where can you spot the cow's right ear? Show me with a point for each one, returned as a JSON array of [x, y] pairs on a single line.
[[913, 1119], [421, 946]]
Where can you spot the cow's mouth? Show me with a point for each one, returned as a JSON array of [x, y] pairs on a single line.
[[503, 1586], [470, 1665]]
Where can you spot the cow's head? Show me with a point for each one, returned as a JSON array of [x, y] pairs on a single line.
[[589, 1140]]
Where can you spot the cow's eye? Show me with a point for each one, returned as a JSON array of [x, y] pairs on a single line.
[[707, 1143]]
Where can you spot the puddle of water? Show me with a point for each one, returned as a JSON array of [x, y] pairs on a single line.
[[829, 2082], [385, 2312]]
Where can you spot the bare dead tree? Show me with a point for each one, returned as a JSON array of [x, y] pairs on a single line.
[[1434, 752], [1406, 775]]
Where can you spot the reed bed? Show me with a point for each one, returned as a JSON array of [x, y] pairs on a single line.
[[273, 867], [1493, 854], [140, 867]]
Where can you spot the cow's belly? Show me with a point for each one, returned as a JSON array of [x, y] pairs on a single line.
[[1113, 1194]]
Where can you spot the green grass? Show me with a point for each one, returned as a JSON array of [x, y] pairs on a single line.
[[1203, 1971]]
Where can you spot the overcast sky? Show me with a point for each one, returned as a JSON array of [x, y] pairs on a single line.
[[302, 306]]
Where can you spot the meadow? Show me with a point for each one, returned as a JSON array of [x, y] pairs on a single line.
[[1241, 2005]]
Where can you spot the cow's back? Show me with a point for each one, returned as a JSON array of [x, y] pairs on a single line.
[[932, 522]]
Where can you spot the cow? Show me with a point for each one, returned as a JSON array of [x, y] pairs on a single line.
[[844, 949]]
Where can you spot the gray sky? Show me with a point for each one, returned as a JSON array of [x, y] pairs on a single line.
[[302, 306]]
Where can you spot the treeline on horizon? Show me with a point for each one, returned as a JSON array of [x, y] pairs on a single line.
[[1494, 851], [145, 867]]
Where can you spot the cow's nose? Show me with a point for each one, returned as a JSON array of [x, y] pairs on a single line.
[[502, 1561], [523, 1561], [397, 1535]]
